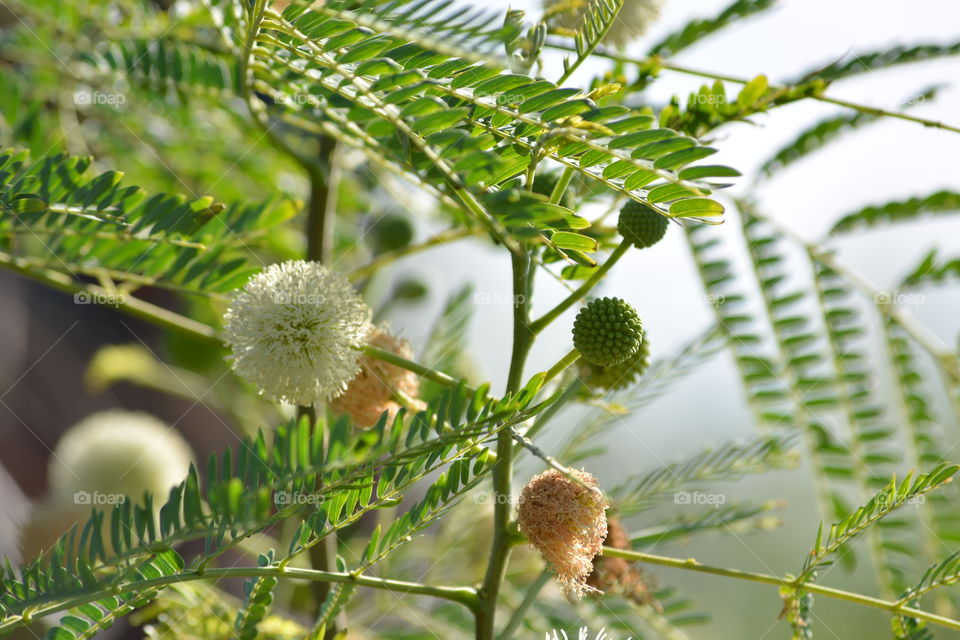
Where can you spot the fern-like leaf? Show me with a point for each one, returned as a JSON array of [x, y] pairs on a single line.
[[698, 29], [939, 203]]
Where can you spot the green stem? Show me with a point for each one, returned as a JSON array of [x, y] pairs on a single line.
[[561, 187], [531, 596], [386, 258], [466, 596], [502, 543], [562, 364], [541, 323], [322, 555], [862, 108], [423, 371], [690, 564]]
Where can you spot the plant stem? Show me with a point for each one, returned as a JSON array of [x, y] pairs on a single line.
[[561, 187], [320, 216], [386, 258], [423, 371], [323, 201], [523, 337], [531, 596], [692, 565], [862, 108], [322, 555], [466, 596], [562, 364], [541, 323]]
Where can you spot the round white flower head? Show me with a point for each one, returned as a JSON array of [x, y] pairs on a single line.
[[634, 19], [114, 453], [294, 329]]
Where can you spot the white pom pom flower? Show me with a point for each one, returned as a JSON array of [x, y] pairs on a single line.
[[113, 453], [294, 330], [634, 19]]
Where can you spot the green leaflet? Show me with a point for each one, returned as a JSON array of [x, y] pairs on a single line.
[[69, 220]]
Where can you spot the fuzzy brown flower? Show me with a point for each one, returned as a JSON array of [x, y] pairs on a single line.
[[565, 521], [616, 575], [375, 388]]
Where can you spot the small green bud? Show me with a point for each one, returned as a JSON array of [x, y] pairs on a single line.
[[391, 232], [617, 376], [607, 331], [641, 224]]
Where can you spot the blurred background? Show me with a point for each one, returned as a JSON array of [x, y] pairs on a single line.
[[47, 341]]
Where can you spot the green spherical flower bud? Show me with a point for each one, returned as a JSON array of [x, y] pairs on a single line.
[[617, 376], [391, 232], [641, 224], [607, 331]]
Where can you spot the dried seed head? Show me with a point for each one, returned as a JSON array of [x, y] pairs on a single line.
[[616, 575], [375, 388], [566, 522]]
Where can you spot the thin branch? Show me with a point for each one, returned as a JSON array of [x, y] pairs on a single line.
[[657, 61], [541, 323], [466, 596], [690, 564]]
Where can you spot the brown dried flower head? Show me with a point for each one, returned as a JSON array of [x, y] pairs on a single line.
[[375, 388], [566, 522], [616, 575]]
